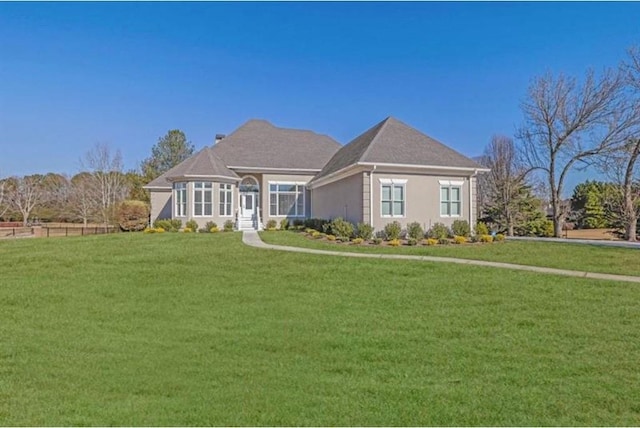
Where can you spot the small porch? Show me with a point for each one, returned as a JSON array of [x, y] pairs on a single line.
[[249, 211]]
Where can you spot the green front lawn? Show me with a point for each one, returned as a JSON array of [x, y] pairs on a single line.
[[198, 329], [587, 258]]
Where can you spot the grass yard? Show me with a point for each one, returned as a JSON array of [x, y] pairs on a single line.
[[198, 329], [590, 258]]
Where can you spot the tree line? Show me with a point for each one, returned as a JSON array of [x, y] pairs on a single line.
[[94, 194], [570, 124]]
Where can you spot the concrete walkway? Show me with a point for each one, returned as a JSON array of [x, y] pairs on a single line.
[[252, 239]]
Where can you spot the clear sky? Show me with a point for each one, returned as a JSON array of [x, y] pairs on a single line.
[[74, 74]]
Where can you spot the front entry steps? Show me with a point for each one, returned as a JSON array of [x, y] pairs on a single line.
[[247, 223]]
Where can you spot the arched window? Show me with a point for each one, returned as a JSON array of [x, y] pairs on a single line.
[[249, 184]]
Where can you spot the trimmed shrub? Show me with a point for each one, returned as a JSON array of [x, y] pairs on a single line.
[[364, 231], [187, 230], [214, 229], [444, 241], [438, 231], [459, 239], [284, 224], [461, 228], [431, 241], [358, 241], [133, 216], [412, 241], [376, 241], [208, 225], [170, 225], [315, 223], [499, 237], [149, 230], [315, 234], [309, 231], [341, 228], [481, 229], [331, 238], [394, 242], [392, 231], [271, 224], [486, 238], [192, 224], [415, 231], [228, 226]]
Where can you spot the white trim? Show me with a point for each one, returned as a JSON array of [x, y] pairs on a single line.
[[267, 169], [393, 180], [299, 183], [450, 186], [193, 199], [303, 192], [404, 199], [227, 191], [436, 167], [175, 199], [451, 183]]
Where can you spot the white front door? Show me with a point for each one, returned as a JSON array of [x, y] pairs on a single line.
[[247, 204]]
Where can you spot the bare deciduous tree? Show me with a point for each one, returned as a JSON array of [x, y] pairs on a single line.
[[24, 193], [567, 123], [107, 183], [4, 206], [83, 198], [503, 185], [621, 165]]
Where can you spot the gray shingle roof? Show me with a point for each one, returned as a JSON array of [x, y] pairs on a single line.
[[259, 144], [204, 164], [393, 142]]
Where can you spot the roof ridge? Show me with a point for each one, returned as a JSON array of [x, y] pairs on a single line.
[[384, 123]]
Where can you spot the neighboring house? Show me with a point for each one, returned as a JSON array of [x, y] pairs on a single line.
[[261, 172]]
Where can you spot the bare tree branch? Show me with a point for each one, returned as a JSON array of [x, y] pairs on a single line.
[[24, 193], [107, 182], [567, 123]]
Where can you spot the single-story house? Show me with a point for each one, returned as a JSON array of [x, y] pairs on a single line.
[[261, 172]]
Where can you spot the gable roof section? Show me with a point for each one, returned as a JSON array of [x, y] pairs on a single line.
[[393, 142], [203, 164], [259, 144]]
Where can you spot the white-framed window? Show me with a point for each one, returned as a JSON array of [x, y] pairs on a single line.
[[392, 197], [450, 198], [180, 197], [286, 199], [226, 195], [202, 199]]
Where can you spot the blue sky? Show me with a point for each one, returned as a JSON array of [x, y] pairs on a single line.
[[74, 74]]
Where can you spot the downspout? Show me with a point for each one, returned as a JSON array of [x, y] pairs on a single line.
[[371, 196]]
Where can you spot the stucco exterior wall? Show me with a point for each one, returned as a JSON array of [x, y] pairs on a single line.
[[160, 204], [343, 198], [422, 200]]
